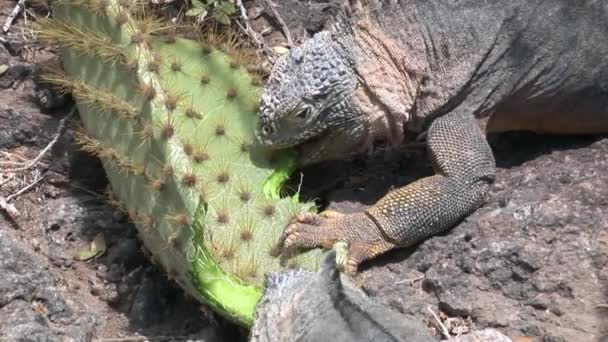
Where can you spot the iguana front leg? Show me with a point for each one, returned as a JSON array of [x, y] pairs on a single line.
[[464, 166]]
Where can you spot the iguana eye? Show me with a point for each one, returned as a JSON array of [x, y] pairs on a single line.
[[318, 96], [304, 114]]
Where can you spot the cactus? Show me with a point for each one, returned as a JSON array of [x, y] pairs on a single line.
[[172, 120]]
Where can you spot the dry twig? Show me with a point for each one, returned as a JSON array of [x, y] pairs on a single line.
[[5, 201], [27, 187], [9, 20], [284, 27], [411, 280], [13, 155], [60, 130], [255, 37], [442, 327], [8, 179]]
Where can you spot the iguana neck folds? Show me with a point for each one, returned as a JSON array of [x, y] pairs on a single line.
[[387, 84]]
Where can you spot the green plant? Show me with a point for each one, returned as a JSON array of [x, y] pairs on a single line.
[[220, 10], [172, 120]]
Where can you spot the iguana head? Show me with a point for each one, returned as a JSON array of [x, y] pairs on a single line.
[[307, 101]]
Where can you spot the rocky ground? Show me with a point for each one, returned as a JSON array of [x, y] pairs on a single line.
[[532, 262]]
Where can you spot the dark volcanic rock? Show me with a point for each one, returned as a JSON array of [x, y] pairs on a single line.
[[32, 306], [302, 18], [18, 129]]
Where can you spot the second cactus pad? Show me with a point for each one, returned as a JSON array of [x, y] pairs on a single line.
[[172, 119]]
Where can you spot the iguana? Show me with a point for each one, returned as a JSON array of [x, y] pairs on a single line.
[[448, 70], [300, 305]]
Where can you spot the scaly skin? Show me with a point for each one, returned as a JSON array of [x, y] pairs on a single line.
[[300, 305], [395, 71]]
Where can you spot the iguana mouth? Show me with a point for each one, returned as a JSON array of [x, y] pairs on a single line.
[[311, 147], [296, 144]]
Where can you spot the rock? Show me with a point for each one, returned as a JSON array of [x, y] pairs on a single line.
[[32, 307], [485, 335], [148, 304], [302, 18], [14, 74], [20, 129], [125, 252]]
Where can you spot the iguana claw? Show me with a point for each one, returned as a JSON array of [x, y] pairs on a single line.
[[357, 231]]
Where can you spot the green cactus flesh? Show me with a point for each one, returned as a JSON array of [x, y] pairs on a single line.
[[172, 121]]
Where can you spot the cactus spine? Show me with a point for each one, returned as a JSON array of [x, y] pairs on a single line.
[[172, 121]]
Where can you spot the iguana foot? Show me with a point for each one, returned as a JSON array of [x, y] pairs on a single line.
[[358, 231]]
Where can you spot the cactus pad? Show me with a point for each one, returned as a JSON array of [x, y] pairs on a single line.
[[172, 120]]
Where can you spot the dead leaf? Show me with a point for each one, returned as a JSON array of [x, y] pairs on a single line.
[[84, 255], [521, 339], [280, 50], [98, 247], [99, 244]]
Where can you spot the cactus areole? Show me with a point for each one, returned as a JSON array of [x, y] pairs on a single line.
[[172, 120]]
